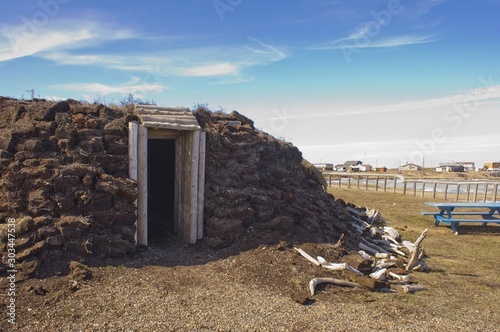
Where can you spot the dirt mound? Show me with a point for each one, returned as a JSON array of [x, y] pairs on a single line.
[[260, 187], [64, 169], [64, 179]]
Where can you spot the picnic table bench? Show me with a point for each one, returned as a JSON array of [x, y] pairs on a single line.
[[449, 215]]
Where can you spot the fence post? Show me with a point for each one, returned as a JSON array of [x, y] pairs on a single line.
[[340, 180], [349, 181], [468, 191], [376, 183], [404, 187], [485, 191], [358, 180], [434, 189], [458, 192], [385, 183], [446, 191], [394, 185], [495, 193], [475, 192]]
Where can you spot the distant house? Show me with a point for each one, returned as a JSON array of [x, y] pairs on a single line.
[[409, 167], [492, 165], [347, 166], [450, 168], [468, 165], [381, 169], [361, 168], [324, 167]]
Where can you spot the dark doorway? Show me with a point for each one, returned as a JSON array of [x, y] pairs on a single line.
[[161, 189]]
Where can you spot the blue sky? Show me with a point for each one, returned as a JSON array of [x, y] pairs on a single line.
[[386, 82]]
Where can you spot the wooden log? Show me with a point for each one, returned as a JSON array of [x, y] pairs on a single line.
[[412, 288], [307, 256], [142, 186], [201, 183], [316, 281], [403, 279], [379, 274], [338, 266], [416, 252]]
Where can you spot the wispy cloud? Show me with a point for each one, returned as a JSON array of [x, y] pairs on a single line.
[[20, 41], [356, 40], [134, 86], [225, 61]]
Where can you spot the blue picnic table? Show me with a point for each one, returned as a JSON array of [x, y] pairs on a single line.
[[448, 213]]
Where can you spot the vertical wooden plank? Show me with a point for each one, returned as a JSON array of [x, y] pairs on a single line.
[[193, 185], [476, 187], [330, 180], [142, 184], [394, 184], [349, 181], [357, 180], [185, 185], [495, 193], [177, 186], [485, 191], [423, 189], [468, 191], [132, 159], [446, 191], [340, 180], [415, 188], [404, 187], [458, 192], [366, 183], [376, 183], [201, 183], [434, 189], [385, 183]]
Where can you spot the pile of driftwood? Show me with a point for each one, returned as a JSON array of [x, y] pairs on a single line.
[[380, 248]]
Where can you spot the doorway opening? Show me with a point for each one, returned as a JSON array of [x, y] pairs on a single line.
[[161, 189]]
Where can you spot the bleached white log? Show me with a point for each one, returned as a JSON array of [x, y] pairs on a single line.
[[365, 256], [382, 255], [307, 256], [316, 281], [416, 252], [394, 250], [385, 263], [379, 274], [409, 245], [412, 288], [391, 231], [337, 266], [403, 279], [421, 266], [390, 238], [374, 231]]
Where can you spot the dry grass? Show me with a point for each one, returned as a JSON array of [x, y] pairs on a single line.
[[465, 276]]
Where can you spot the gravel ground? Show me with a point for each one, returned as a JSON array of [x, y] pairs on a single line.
[[182, 288]]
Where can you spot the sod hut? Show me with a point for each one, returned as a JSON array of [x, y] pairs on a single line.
[[86, 181]]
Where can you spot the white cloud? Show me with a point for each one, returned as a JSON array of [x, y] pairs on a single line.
[[224, 61], [133, 86], [360, 40], [24, 40]]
